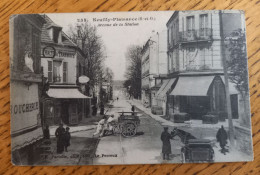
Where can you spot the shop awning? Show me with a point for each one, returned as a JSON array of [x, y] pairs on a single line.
[[25, 139], [232, 86], [68, 93], [192, 86], [165, 87]]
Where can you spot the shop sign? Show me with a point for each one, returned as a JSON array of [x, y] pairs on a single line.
[[24, 108], [83, 79], [49, 52]]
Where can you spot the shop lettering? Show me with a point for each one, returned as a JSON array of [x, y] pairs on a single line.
[[65, 54], [23, 108]]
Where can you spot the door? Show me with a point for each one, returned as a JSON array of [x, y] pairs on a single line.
[[73, 113]]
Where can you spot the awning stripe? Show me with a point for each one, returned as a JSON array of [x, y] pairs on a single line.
[[26, 139], [165, 87]]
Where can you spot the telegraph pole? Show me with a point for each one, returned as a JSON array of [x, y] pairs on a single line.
[[223, 56]]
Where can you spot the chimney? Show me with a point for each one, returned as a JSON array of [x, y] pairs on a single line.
[[80, 43]]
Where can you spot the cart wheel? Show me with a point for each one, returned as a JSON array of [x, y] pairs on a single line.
[[129, 129]]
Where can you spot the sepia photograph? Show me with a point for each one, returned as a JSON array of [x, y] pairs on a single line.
[[111, 88]]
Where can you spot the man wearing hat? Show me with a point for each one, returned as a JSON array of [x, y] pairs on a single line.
[[166, 147]]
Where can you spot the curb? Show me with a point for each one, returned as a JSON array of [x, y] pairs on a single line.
[[79, 130]]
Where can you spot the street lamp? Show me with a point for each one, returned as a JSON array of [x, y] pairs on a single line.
[[223, 56]]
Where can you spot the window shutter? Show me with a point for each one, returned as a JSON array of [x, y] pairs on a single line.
[[65, 70], [50, 71]]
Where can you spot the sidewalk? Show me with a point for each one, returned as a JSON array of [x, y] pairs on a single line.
[[191, 123], [163, 122], [72, 128]]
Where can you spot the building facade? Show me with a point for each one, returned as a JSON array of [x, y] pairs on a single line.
[[195, 66], [154, 63], [63, 62], [26, 79]]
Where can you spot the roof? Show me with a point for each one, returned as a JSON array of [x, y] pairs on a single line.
[[45, 35]]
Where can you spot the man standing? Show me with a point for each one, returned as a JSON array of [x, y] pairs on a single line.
[[166, 147], [59, 135], [133, 110], [222, 139]]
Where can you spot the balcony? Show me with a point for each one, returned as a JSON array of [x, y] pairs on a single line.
[[204, 34]]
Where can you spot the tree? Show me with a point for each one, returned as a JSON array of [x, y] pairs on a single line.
[[86, 37], [237, 66], [133, 71]]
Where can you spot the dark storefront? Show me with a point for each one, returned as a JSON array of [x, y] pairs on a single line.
[[66, 104], [201, 95]]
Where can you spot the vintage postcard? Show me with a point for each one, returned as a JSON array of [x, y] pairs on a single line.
[[129, 88]]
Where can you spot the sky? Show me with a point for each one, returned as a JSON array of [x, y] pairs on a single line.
[[118, 38]]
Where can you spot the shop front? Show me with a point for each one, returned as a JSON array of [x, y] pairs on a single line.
[[25, 76], [26, 128], [201, 95], [66, 104]]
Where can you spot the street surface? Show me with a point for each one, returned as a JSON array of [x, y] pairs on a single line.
[[144, 147]]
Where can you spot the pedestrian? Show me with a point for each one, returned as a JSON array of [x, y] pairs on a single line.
[[166, 144], [46, 132], [110, 122], [59, 135], [100, 127], [133, 110], [66, 139], [102, 108], [222, 139], [117, 98]]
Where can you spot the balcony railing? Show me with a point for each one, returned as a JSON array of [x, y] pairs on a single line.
[[196, 35]]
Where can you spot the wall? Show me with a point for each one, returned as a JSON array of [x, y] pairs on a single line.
[[70, 60]]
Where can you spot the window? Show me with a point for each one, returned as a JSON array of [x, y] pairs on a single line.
[[190, 23], [203, 21], [170, 35], [203, 24], [65, 71], [50, 71], [56, 34], [57, 71]]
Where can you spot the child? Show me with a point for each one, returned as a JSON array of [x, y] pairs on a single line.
[[67, 139]]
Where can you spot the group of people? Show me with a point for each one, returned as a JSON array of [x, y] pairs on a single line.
[[105, 124], [63, 138]]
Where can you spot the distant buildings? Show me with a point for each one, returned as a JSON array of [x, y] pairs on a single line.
[[154, 63]]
